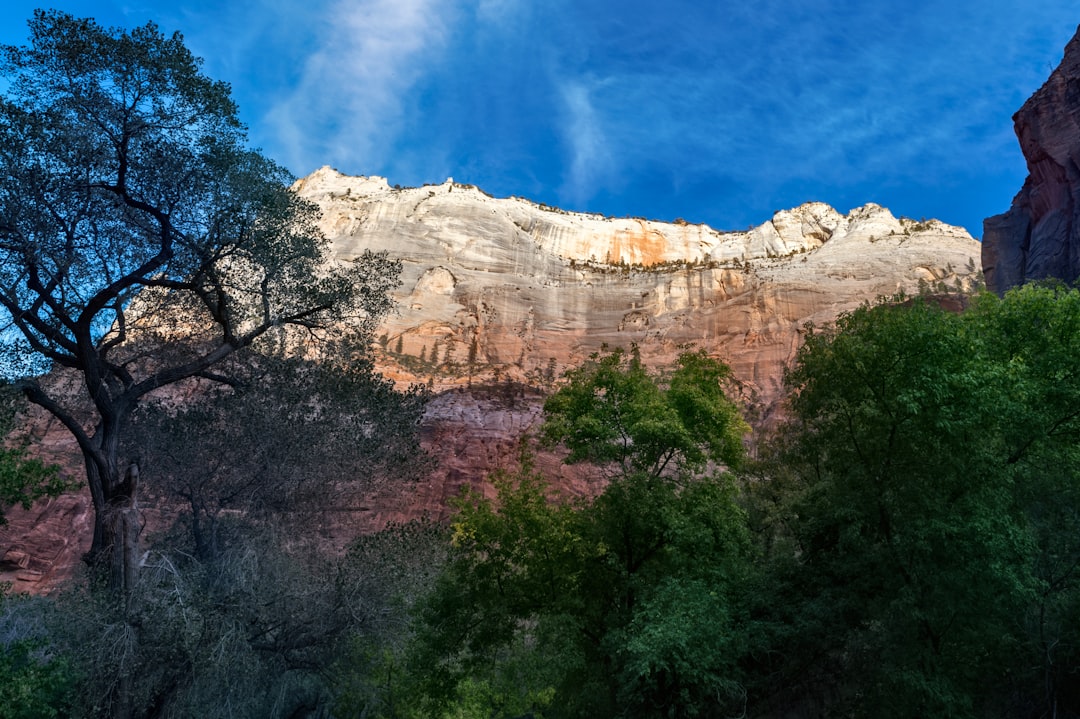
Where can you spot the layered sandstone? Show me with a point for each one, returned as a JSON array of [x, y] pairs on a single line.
[[500, 296], [1039, 236], [505, 288]]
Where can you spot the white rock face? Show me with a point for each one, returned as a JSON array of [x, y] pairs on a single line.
[[508, 288]]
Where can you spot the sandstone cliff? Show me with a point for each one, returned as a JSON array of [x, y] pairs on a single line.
[[507, 289], [499, 296], [1039, 237]]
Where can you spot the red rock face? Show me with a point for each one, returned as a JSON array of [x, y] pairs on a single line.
[[469, 432], [42, 546], [1039, 237]]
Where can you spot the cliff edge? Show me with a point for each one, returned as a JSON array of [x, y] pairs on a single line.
[[1039, 237], [498, 289]]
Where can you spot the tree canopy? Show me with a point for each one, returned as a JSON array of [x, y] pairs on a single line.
[[903, 544], [623, 605], [141, 242], [924, 494], [613, 411]]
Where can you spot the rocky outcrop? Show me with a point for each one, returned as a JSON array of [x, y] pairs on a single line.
[[1039, 237], [500, 296], [497, 289]]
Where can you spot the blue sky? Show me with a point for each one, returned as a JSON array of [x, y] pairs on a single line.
[[716, 112]]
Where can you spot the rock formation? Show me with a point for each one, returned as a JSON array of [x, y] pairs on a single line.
[[1039, 237], [507, 289], [500, 296]]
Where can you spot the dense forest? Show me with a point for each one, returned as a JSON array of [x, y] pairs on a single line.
[[905, 542]]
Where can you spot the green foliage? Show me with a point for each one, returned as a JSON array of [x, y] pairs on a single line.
[[1034, 342], [33, 686], [666, 587], [627, 605], [506, 562], [613, 411], [919, 507], [23, 479], [36, 681]]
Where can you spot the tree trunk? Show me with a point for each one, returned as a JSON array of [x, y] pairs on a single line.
[[114, 553], [97, 484], [123, 528]]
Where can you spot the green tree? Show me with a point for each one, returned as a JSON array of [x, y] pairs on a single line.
[[626, 605], [508, 563], [142, 244], [612, 411], [914, 499], [666, 585], [1033, 339]]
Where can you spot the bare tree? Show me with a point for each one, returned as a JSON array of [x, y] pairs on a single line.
[[297, 441]]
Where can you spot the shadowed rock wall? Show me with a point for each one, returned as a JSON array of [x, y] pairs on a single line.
[[1039, 237]]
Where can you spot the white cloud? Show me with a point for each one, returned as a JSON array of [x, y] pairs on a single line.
[[348, 102], [590, 159]]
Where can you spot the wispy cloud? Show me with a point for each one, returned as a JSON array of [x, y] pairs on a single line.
[[497, 12], [347, 102], [590, 161], [843, 96], [718, 112]]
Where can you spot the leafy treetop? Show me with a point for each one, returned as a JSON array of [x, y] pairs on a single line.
[[612, 411]]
